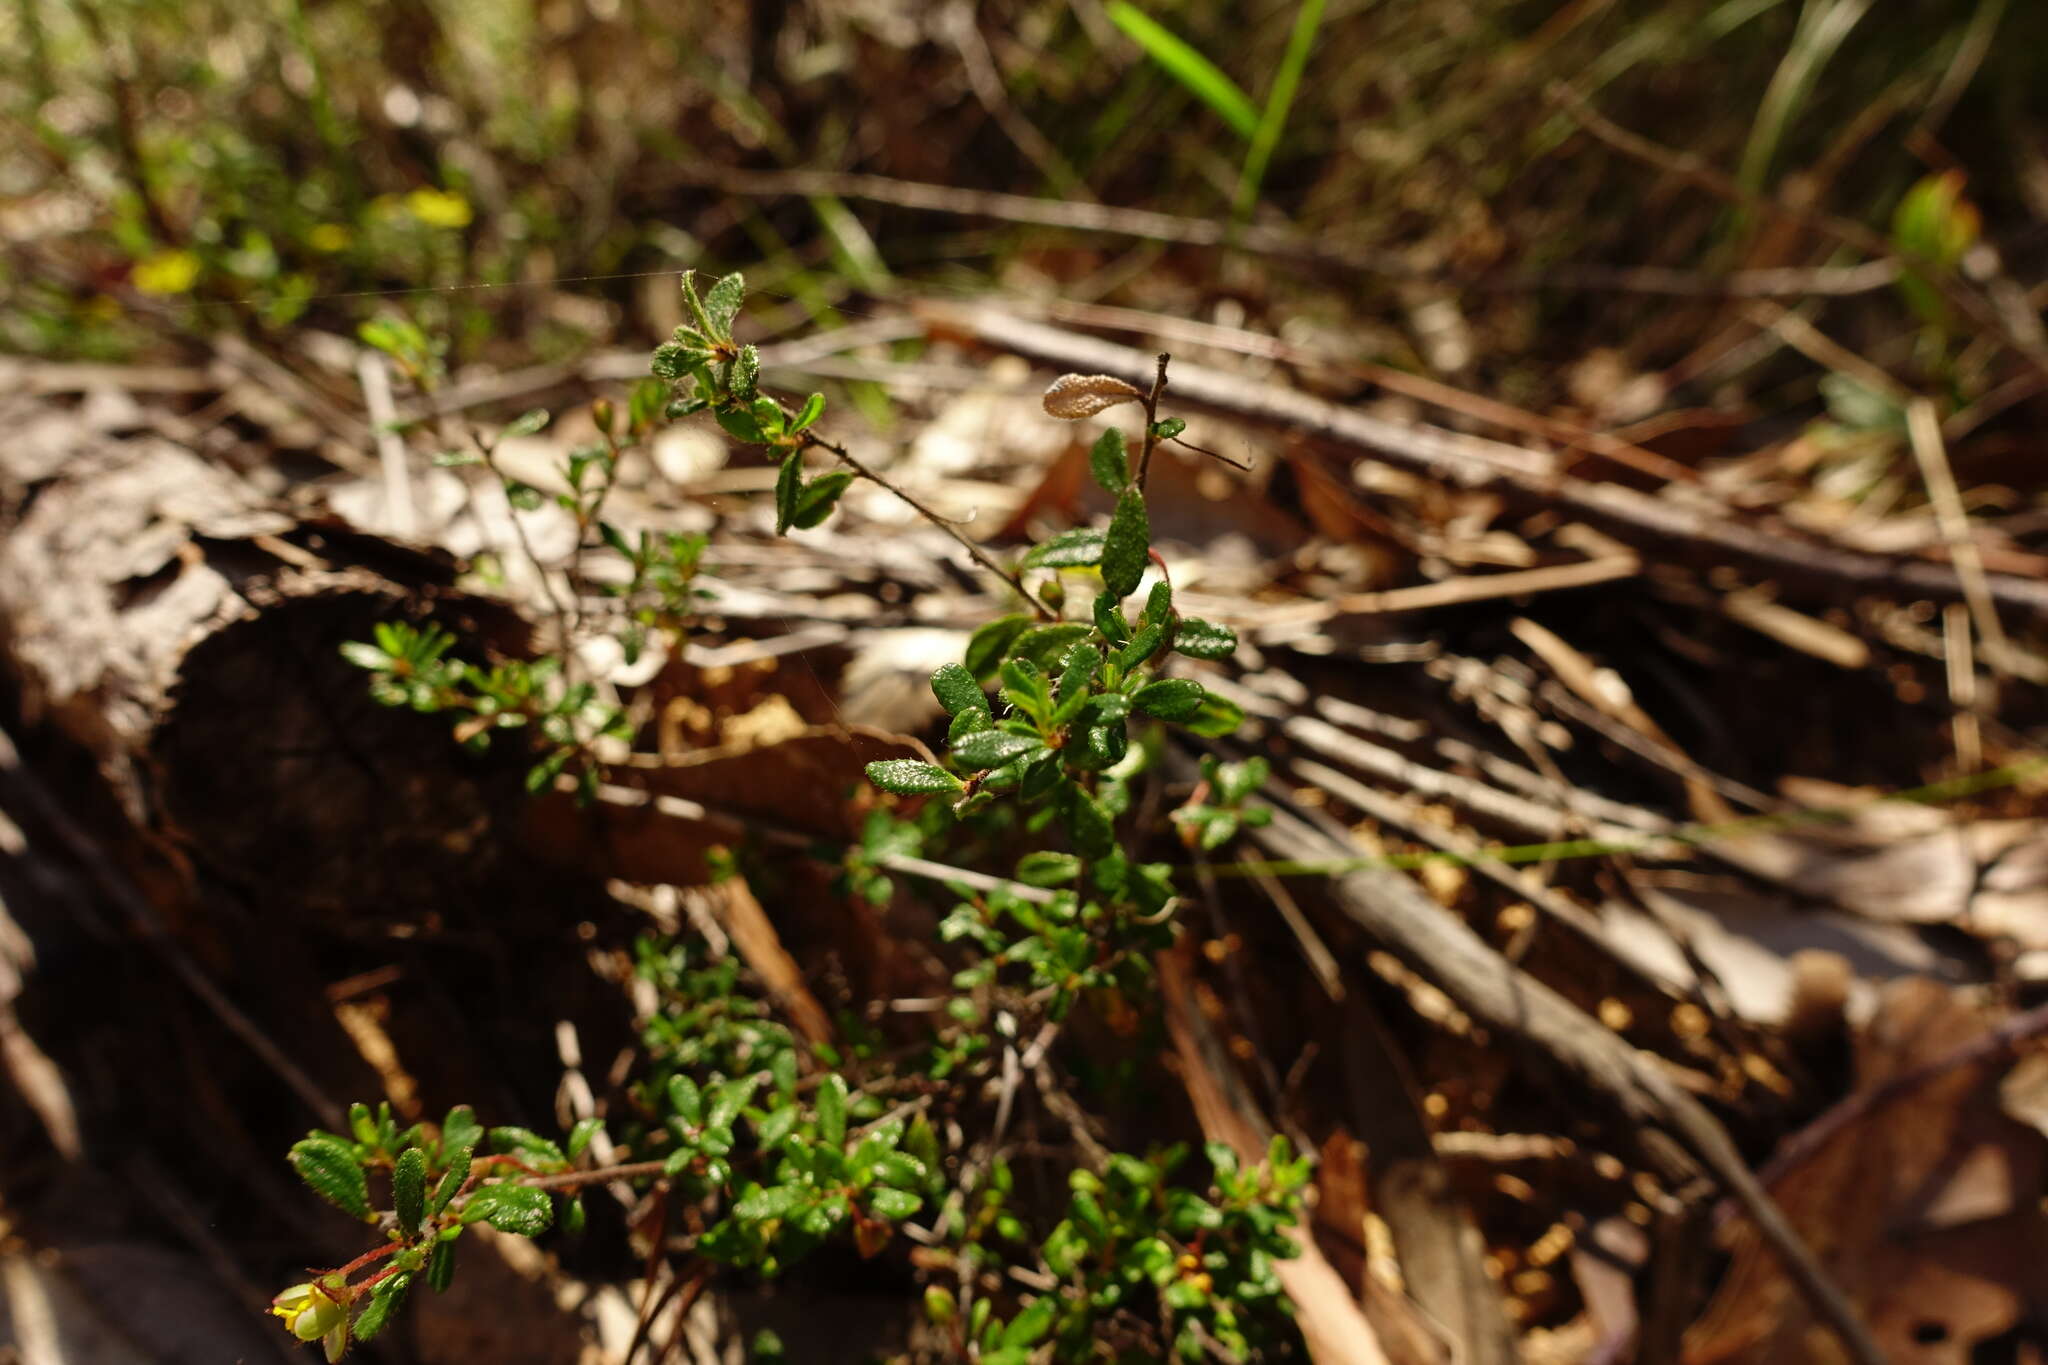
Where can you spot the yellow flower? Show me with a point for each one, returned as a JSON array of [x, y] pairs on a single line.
[[439, 208], [329, 237], [311, 1312], [171, 271]]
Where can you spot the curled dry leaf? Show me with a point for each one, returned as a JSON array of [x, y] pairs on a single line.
[[1074, 396]]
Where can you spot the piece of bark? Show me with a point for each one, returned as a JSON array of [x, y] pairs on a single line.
[[184, 630]]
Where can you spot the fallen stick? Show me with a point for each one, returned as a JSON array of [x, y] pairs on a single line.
[[1679, 1134], [1641, 519]]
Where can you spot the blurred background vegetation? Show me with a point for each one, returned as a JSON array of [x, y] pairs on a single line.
[[188, 168]]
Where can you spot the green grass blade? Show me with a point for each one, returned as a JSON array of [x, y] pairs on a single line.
[[1279, 100], [1200, 75], [1823, 26]]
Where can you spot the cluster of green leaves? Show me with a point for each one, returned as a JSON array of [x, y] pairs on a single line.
[[1146, 1268], [438, 1183], [714, 372], [1933, 227], [1219, 811], [410, 666], [1207, 1255], [781, 1160], [1070, 693]]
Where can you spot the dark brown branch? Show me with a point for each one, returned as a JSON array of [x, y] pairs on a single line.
[[1152, 421]]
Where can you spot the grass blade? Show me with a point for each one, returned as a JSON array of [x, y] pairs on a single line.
[[1279, 100], [1194, 71]]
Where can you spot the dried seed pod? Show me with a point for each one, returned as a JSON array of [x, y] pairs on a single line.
[[1074, 396]]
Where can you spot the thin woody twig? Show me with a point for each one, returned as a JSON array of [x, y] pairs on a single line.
[[1152, 421], [974, 551]]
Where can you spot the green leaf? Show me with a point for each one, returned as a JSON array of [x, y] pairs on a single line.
[[1109, 618], [1029, 1327], [1088, 824], [992, 748], [729, 1097], [409, 1190], [1105, 745], [328, 1166], [900, 1169], [645, 404], [831, 1109], [1934, 224], [441, 1267], [722, 303], [989, 644], [816, 501], [1199, 639], [1075, 549], [674, 359], [908, 777], [1084, 662], [776, 1201], [582, 1133], [1216, 717], [523, 496], [957, 690], [1048, 869], [451, 1180], [740, 423], [776, 1125], [1159, 604], [746, 379], [1047, 646], [384, 1301], [789, 485], [1109, 462], [364, 655], [517, 1209], [1166, 428], [1169, 698], [529, 1146], [1143, 646], [1025, 688], [526, 423], [894, 1205], [460, 1131], [1127, 545], [1196, 73], [694, 303], [812, 410]]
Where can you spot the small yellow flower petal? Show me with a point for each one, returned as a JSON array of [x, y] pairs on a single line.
[[330, 237], [172, 271], [439, 208], [310, 1313]]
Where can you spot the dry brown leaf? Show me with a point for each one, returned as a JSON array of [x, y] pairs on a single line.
[[1074, 396], [1926, 1210], [1988, 878]]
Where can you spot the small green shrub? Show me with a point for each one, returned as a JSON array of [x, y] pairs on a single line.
[[777, 1147]]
